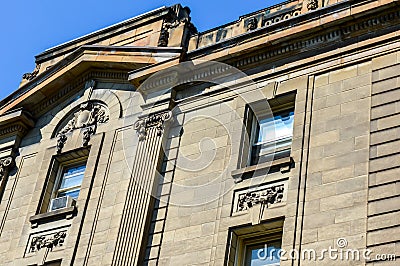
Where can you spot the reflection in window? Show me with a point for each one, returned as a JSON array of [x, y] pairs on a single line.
[[261, 254], [272, 136], [70, 182]]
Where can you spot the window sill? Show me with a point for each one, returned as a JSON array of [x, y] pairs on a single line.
[[284, 165], [65, 213]]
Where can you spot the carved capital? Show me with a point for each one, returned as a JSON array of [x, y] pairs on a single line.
[[155, 120], [5, 164]]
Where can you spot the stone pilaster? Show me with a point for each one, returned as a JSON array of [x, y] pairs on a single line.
[[139, 199]]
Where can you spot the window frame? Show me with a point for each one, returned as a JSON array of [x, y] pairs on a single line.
[[256, 110], [57, 164], [62, 169], [240, 238], [255, 131], [258, 239]]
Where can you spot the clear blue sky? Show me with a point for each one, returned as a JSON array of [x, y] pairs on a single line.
[[30, 27]]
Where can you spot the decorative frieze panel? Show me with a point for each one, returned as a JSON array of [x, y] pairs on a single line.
[[270, 19], [266, 195], [89, 115], [155, 120], [47, 241]]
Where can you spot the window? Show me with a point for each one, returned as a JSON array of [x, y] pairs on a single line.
[[64, 180], [70, 181], [271, 135], [261, 252], [255, 245], [67, 186], [269, 130]]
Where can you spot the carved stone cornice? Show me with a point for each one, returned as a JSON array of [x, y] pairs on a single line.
[[78, 83], [157, 121], [309, 39], [13, 128], [5, 165], [89, 115], [16, 122], [47, 241]]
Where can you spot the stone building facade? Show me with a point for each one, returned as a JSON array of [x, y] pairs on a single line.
[[149, 143]]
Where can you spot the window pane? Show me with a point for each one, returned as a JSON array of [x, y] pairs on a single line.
[[278, 127], [72, 193], [72, 177], [263, 254]]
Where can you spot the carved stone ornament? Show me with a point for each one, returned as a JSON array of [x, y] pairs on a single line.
[[33, 74], [164, 36], [156, 120], [173, 20], [267, 197], [90, 114], [47, 241], [252, 24], [5, 163], [312, 4]]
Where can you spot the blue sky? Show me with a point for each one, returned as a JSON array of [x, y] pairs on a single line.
[[30, 27]]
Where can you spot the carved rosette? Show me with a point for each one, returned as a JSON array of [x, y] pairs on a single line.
[[312, 4], [268, 196], [47, 241], [5, 164], [89, 115], [157, 121]]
